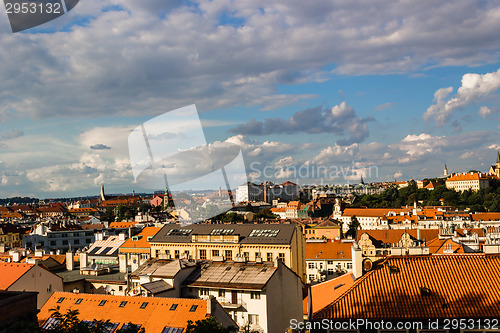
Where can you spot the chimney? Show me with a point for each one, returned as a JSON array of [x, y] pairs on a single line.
[[70, 261], [83, 260], [210, 304], [2, 247], [122, 258], [121, 237], [357, 261], [16, 256]]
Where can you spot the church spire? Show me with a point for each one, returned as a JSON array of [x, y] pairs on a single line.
[[103, 196], [498, 157], [445, 169]]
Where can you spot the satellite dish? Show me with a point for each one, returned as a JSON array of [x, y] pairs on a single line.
[[367, 265]]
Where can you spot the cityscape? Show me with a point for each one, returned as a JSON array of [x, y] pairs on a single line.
[[217, 166]]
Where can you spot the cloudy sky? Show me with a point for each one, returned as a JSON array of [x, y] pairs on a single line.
[[314, 92]]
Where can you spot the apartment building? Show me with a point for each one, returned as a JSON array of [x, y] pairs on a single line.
[[252, 242]]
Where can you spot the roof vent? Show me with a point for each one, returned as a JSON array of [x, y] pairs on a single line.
[[424, 291], [393, 269]]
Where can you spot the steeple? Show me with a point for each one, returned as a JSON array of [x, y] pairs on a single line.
[[103, 196], [361, 182], [498, 158], [445, 169]]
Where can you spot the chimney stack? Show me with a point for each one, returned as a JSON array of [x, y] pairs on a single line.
[[70, 261], [357, 261]]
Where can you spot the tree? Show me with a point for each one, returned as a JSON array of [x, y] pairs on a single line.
[[69, 323], [353, 227], [208, 325]]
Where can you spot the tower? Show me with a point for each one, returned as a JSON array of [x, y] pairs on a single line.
[[495, 168], [361, 182], [103, 196], [445, 170]]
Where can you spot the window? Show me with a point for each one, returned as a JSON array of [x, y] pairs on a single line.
[[193, 308], [49, 288], [215, 253], [222, 293], [349, 265], [204, 292], [255, 294], [310, 265], [330, 262], [177, 254], [269, 256], [173, 307], [101, 303], [65, 242], [203, 254], [281, 256], [186, 254], [52, 243], [312, 277], [60, 300], [76, 242], [157, 253], [257, 255], [78, 301], [143, 305], [229, 255], [122, 304], [330, 271], [253, 319], [246, 255]]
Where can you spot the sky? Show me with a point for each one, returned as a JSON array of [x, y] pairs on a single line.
[[317, 92]]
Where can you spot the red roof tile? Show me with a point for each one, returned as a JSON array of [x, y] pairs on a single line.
[[11, 272]]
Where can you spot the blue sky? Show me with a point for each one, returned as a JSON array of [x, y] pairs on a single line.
[[393, 86]]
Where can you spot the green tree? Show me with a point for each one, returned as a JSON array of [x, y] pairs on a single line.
[[208, 325], [353, 227], [69, 323]]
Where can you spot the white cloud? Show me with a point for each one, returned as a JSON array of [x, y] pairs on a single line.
[[474, 88], [484, 111]]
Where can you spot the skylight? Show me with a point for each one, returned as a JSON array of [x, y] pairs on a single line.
[[179, 232], [264, 233], [217, 232]]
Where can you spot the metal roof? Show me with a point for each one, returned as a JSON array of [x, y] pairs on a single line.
[[274, 233]]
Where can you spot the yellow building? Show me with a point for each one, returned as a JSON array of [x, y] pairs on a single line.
[[233, 242]]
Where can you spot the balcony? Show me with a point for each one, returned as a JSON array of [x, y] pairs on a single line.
[[228, 304]]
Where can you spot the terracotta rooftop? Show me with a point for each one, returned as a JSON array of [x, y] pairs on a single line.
[[393, 236], [152, 313], [327, 292], [328, 250], [373, 212], [486, 217], [122, 224], [423, 287], [11, 272], [139, 243], [441, 246], [470, 176]]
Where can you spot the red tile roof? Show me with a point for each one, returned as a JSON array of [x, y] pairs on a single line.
[[140, 241], [423, 287], [328, 250], [154, 317], [327, 292], [11, 272], [373, 212]]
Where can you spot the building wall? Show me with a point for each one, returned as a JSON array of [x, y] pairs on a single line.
[[284, 300], [40, 280], [314, 268]]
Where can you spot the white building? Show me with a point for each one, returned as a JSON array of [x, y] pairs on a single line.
[[262, 296], [327, 259]]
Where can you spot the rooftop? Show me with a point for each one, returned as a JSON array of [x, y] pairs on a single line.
[[152, 313], [423, 287], [11, 272], [248, 233]]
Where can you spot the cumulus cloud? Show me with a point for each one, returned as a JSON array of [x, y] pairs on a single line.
[[340, 119], [474, 88], [484, 111]]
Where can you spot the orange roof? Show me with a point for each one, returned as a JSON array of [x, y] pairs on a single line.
[[278, 210], [486, 217], [470, 176], [328, 250], [441, 246], [380, 212], [122, 224], [11, 272], [327, 292], [423, 287], [431, 185], [140, 241], [156, 315]]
